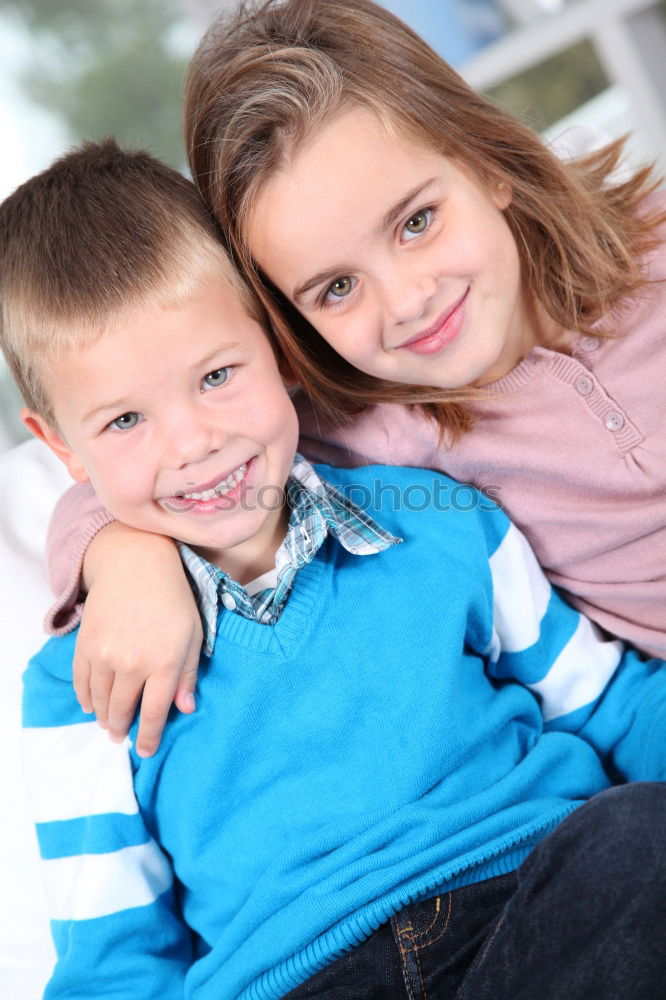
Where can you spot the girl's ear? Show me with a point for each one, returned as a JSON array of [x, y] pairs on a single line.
[[38, 426], [502, 195]]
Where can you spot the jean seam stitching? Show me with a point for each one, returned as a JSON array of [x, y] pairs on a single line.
[[433, 922], [407, 933], [418, 964], [446, 922], [406, 974]]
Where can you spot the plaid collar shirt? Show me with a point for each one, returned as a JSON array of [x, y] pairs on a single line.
[[317, 508]]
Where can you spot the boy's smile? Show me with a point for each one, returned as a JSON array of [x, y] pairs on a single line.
[[397, 255], [181, 421]]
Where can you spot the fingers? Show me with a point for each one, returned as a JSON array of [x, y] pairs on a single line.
[[101, 684], [169, 685], [152, 657], [123, 698], [112, 687], [158, 696], [108, 686], [114, 695], [184, 697], [93, 682], [81, 676]]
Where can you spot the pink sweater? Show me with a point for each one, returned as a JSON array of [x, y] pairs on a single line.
[[573, 447]]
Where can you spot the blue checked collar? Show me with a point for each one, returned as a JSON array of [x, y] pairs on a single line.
[[317, 508]]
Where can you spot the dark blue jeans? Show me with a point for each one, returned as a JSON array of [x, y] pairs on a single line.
[[583, 917]]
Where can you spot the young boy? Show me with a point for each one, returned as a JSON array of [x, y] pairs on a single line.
[[398, 770]]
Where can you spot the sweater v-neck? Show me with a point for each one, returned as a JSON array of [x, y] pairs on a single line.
[[284, 638]]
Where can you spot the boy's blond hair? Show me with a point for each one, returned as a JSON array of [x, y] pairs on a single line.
[[95, 235], [266, 78]]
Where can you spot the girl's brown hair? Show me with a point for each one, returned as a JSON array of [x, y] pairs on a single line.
[[267, 77]]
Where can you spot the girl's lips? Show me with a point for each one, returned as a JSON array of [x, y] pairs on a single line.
[[445, 329]]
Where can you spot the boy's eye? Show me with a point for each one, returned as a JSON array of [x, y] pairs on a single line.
[[126, 421], [214, 379], [418, 223], [341, 287]]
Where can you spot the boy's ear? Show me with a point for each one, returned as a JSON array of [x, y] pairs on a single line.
[[38, 426]]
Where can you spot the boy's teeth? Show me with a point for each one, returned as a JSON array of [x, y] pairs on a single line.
[[224, 487]]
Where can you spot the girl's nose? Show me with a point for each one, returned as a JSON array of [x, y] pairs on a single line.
[[407, 294]]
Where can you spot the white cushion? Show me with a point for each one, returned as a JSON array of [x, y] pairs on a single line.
[[31, 481]]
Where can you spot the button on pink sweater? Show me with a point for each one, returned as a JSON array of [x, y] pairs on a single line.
[[573, 447]]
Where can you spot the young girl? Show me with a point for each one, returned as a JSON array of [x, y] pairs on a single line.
[[448, 293]]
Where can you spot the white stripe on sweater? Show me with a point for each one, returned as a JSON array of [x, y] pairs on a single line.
[[94, 885], [75, 771], [521, 594], [580, 673]]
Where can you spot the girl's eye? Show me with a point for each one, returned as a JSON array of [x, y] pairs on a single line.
[[217, 378], [417, 224], [126, 421], [340, 288]]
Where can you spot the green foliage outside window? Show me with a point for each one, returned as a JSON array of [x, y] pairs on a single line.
[[541, 96], [106, 67], [547, 92]]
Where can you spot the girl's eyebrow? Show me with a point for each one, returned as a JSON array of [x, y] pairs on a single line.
[[328, 275], [401, 206], [394, 213]]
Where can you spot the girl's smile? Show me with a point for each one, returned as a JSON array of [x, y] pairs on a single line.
[[399, 257], [443, 331]]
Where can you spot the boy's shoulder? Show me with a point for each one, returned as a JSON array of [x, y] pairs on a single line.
[[56, 656], [48, 692], [372, 483], [403, 474], [407, 499]]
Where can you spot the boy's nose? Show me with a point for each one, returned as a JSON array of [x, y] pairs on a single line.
[[192, 439]]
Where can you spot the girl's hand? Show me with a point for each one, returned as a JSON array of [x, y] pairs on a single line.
[[140, 635]]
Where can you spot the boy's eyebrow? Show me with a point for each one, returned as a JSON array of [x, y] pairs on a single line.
[[330, 273], [117, 404], [220, 349], [113, 404]]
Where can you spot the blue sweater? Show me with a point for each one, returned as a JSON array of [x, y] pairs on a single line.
[[416, 720]]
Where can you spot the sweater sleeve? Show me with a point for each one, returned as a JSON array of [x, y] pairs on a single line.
[[110, 893], [587, 684], [77, 518]]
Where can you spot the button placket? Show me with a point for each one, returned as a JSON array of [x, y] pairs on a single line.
[[614, 421], [584, 385], [602, 406]]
